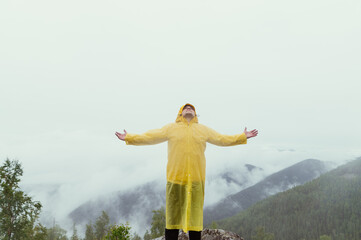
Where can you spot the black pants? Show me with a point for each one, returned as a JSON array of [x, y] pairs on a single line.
[[172, 234]]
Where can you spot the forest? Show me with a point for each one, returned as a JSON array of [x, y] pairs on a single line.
[[327, 206]]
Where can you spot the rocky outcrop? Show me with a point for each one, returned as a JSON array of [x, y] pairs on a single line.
[[209, 234]]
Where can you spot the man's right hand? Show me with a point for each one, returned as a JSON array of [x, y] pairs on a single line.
[[250, 134], [120, 135]]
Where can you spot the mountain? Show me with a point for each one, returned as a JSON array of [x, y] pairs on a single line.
[[294, 175], [137, 204], [329, 205]]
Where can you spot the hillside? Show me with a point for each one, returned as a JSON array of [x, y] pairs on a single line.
[[294, 175], [329, 205]]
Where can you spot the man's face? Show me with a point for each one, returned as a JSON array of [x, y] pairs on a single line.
[[188, 111]]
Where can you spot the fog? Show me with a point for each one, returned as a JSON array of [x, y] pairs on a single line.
[[74, 72]]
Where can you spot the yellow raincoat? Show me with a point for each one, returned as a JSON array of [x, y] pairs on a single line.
[[186, 168]]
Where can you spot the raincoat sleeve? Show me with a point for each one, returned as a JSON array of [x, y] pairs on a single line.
[[148, 138], [225, 140]]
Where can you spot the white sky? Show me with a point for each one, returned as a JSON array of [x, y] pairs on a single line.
[[74, 72]]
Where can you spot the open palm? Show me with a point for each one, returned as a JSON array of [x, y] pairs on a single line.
[[250, 134], [121, 136]]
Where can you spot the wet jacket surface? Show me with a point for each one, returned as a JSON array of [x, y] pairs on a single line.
[[186, 167]]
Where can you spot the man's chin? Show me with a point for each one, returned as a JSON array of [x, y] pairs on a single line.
[[188, 115]]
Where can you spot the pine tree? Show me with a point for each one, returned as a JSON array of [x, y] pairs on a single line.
[[101, 226], [147, 235], [262, 235], [213, 225], [136, 237], [75, 233], [56, 233], [89, 232], [158, 223]]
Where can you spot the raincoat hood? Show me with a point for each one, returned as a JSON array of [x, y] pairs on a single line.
[[180, 117]]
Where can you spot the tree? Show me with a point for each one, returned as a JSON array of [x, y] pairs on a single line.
[[18, 212], [89, 232], [158, 223], [56, 233], [120, 232], [214, 225], [101, 226], [75, 233], [39, 233], [147, 235], [262, 235], [136, 237]]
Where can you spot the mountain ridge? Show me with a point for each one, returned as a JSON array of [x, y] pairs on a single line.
[[294, 175], [148, 197], [328, 205]]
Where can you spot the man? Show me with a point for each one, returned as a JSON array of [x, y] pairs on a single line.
[[186, 167]]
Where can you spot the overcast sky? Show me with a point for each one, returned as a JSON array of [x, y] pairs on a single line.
[[74, 72]]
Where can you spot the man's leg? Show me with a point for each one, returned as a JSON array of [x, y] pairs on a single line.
[[195, 235], [171, 234]]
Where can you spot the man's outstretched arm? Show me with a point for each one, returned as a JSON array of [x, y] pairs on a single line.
[[151, 137], [230, 140]]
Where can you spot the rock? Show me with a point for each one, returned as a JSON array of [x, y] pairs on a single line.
[[209, 234]]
